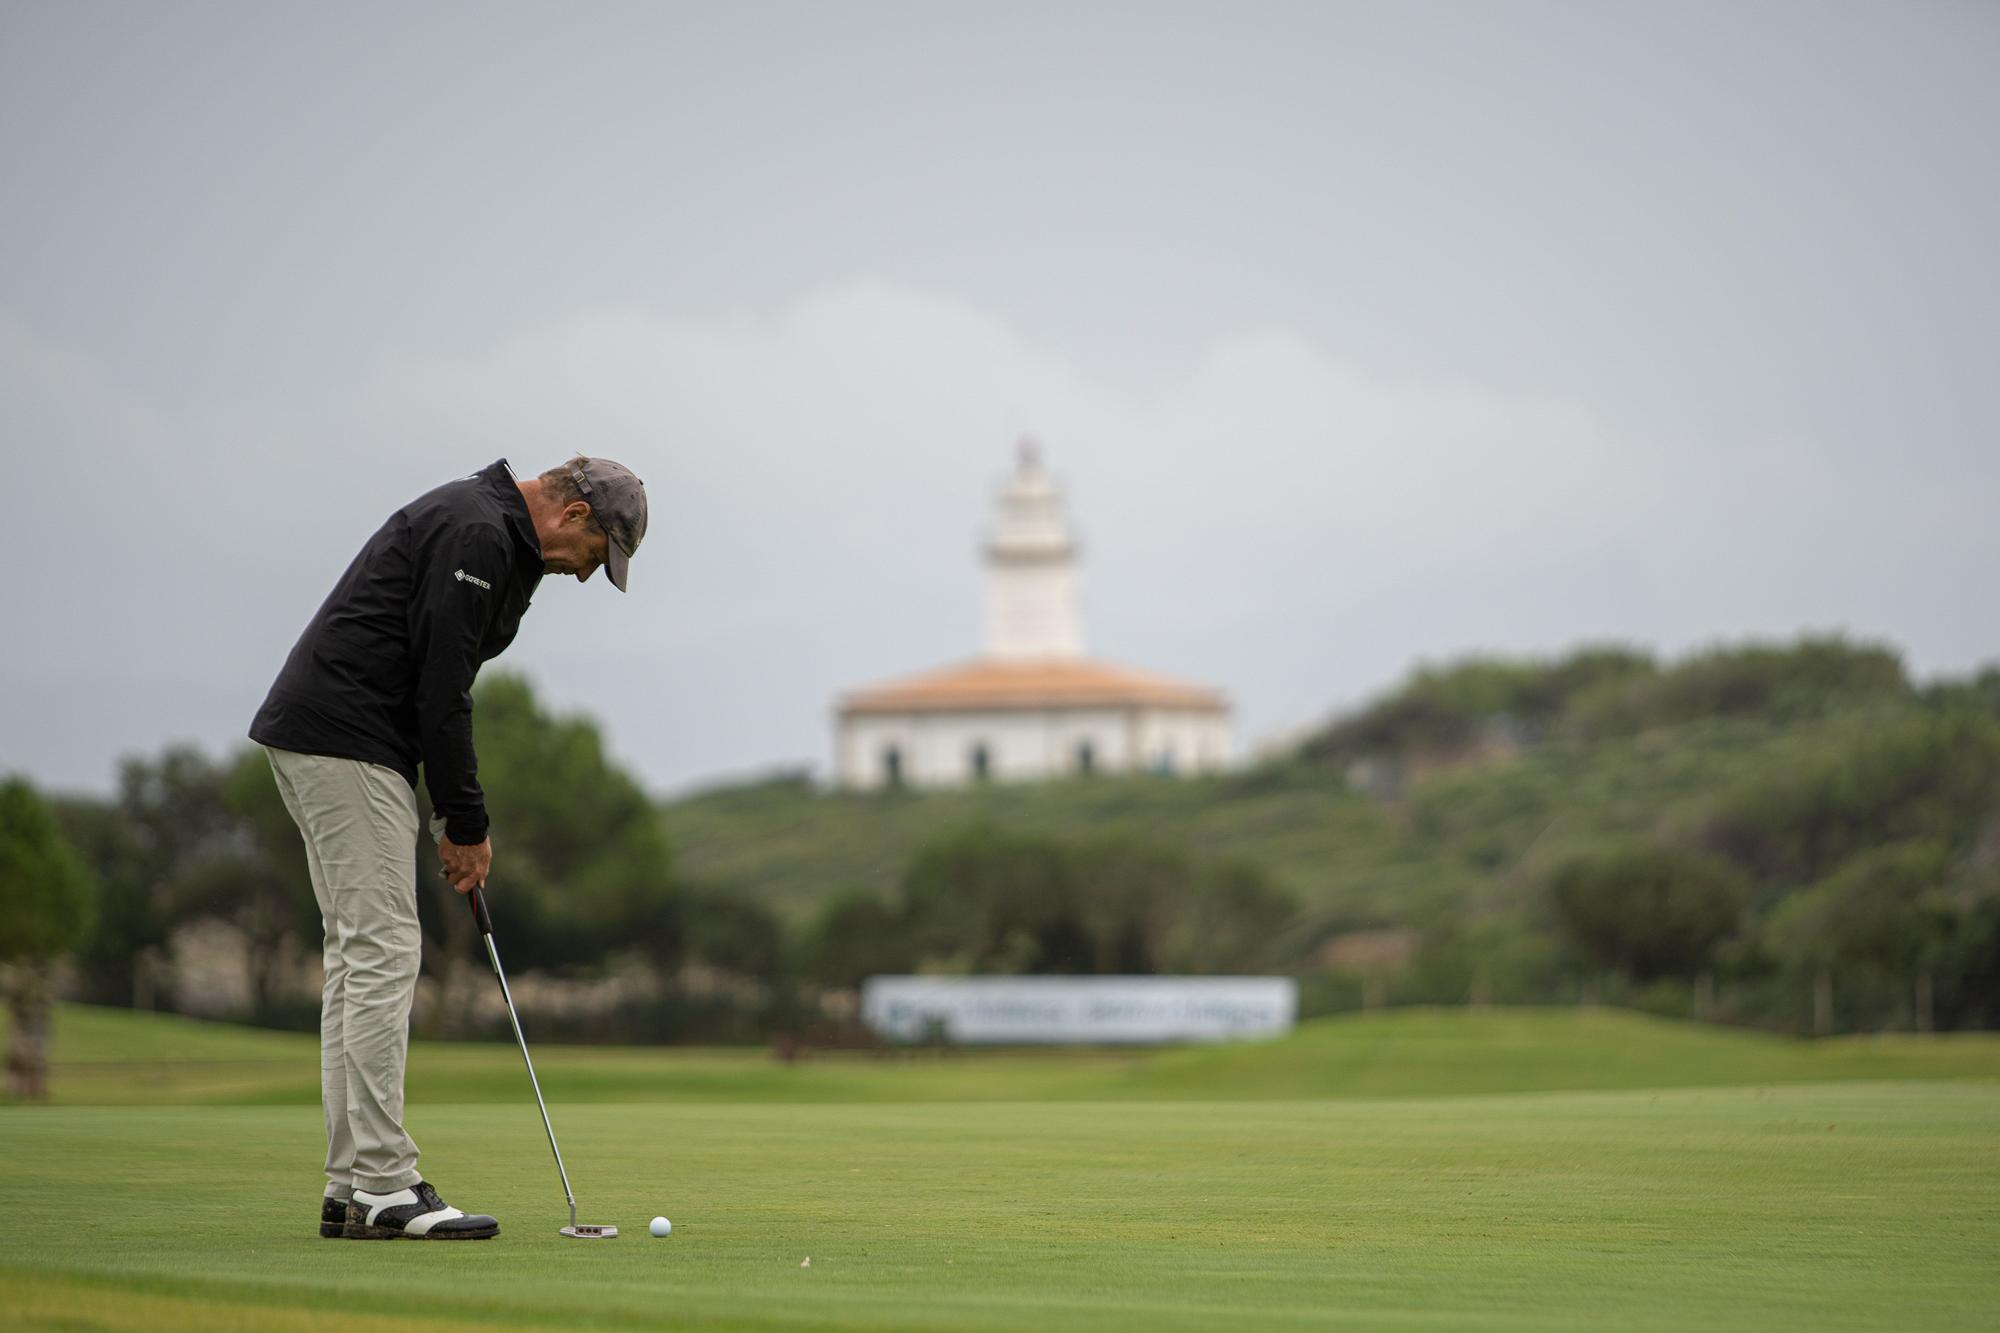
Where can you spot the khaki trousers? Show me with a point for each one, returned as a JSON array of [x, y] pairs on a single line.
[[360, 827]]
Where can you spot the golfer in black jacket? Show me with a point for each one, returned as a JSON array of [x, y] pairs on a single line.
[[380, 682]]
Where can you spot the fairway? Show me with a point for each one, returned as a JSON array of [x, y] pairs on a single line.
[[1780, 1204]]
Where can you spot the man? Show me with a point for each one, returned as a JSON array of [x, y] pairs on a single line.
[[380, 682]]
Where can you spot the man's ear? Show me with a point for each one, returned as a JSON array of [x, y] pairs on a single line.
[[576, 511]]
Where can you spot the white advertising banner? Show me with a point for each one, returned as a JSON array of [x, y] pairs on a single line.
[[1081, 1010]]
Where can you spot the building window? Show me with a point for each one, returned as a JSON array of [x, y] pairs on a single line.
[[892, 766], [1163, 764], [982, 763], [1086, 758]]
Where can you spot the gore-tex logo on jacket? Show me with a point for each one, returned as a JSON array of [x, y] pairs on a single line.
[[464, 577]]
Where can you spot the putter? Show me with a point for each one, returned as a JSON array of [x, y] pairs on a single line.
[[573, 1230]]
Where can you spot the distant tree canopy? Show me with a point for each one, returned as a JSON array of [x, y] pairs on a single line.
[[1809, 678], [1647, 911], [1886, 911], [47, 900], [168, 817], [987, 900], [857, 935], [581, 869], [580, 862], [1443, 707], [1919, 774], [1608, 691], [48, 897]]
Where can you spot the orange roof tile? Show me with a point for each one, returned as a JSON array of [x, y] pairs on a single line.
[[1056, 683]]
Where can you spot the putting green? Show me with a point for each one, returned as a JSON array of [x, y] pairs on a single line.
[[1836, 1206], [1367, 1173]]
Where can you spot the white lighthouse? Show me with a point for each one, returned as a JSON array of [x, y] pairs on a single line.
[[1031, 706], [1031, 594]]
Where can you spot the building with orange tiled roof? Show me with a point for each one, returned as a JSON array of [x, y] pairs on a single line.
[[1031, 706]]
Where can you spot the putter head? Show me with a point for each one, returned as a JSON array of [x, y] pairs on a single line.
[[587, 1232]]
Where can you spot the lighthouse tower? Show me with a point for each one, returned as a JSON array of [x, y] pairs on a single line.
[[1031, 608], [1031, 706]]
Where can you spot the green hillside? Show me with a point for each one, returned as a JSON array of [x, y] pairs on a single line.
[[1793, 836], [787, 844], [1453, 837]]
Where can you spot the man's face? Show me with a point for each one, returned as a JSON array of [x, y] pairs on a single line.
[[575, 545]]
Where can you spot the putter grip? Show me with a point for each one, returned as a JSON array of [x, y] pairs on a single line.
[[479, 912]]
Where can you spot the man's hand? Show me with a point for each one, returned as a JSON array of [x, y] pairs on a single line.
[[466, 867]]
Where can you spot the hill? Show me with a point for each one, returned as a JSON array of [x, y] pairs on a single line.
[[1452, 837], [1794, 836]]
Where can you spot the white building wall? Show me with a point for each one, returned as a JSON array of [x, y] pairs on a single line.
[[1183, 741], [937, 748], [1033, 610]]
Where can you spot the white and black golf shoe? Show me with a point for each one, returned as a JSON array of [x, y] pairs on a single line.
[[416, 1213]]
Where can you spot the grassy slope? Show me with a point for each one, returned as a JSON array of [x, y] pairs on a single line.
[[110, 1057], [789, 846], [1340, 853]]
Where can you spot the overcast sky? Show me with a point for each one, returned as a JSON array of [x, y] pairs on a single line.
[[1359, 334]]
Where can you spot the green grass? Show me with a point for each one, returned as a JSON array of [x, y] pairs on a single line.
[[1823, 1207], [111, 1057], [1417, 1170]]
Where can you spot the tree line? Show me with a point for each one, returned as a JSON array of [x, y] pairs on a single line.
[[1836, 867], [1844, 875]]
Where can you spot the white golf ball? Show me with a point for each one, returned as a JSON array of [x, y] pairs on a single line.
[[660, 1226]]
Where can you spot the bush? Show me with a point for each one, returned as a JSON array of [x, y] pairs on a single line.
[[47, 901], [1646, 911], [857, 936], [1449, 707], [1871, 930], [1810, 678], [1916, 774], [983, 900]]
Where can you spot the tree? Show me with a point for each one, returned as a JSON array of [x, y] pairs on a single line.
[[1777, 682], [1231, 922], [1881, 921], [581, 866], [983, 900], [1647, 911], [258, 878], [1968, 992], [1917, 774], [1130, 895], [1446, 707], [47, 903], [856, 936], [114, 962], [729, 932], [169, 816]]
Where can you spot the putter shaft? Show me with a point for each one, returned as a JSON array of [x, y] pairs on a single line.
[[493, 954]]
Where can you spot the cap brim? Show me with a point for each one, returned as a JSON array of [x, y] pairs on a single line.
[[615, 563]]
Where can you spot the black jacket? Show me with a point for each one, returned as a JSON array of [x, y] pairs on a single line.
[[384, 671]]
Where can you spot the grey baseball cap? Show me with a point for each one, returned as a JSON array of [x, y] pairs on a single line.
[[617, 500]]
